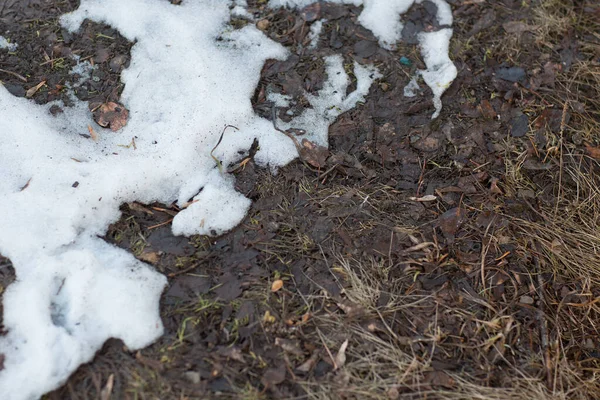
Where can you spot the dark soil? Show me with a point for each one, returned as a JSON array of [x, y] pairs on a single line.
[[433, 216]]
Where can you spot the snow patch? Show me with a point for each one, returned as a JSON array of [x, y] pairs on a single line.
[[5, 44], [315, 32], [383, 19], [331, 101], [83, 70], [191, 73]]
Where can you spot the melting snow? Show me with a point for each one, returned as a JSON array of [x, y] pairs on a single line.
[[315, 32], [382, 17], [5, 44], [191, 74]]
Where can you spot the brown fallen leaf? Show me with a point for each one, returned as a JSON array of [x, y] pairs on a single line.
[[313, 154], [277, 285], [518, 27], [111, 115], [150, 257], [487, 110], [451, 221], [273, 377], [591, 151], [34, 89]]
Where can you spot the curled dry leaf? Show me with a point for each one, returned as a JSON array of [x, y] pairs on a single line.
[[340, 357], [307, 365], [313, 154], [111, 115], [277, 285], [107, 390], [34, 89], [426, 198]]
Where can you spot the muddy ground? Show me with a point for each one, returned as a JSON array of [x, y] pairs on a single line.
[[452, 259]]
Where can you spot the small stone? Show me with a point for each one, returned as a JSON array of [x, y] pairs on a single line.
[[526, 300], [263, 24], [192, 376]]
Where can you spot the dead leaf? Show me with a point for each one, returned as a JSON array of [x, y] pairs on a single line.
[[26, 185], [233, 353], [451, 221], [107, 390], [112, 115], [518, 27], [307, 365], [150, 257], [426, 198], [273, 377], [340, 357], [591, 151], [290, 346], [34, 89], [351, 309], [486, 109], [313, 154], [93, 133], [439, 378], [277, 285], [149, 362]]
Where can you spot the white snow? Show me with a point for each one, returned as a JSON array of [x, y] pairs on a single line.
[[5, 44], [382, 17], [83, 69], [331, 101], [412, 88], [190, 75], [315, 32], [440, 70]]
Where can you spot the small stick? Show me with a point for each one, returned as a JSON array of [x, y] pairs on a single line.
[[14, 74], [543, 323], [161, 224]]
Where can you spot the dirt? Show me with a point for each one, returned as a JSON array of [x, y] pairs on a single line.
[[457, 256]]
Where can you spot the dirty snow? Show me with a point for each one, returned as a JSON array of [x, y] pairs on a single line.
[[315, 32], [191, 74], [83, 70], [331, 101], [382, 17], [5, 44]]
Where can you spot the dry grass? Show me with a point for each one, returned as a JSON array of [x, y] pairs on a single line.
[[383, 365]]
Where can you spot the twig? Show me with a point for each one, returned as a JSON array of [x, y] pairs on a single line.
[[543, 323], [183, 271], [219, 164], [161, 224], [14, 74]]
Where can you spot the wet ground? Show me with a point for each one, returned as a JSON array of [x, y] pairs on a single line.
[[453, 258]]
